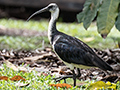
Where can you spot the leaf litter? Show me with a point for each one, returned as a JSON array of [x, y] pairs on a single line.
[[47, 63], [15, 78]]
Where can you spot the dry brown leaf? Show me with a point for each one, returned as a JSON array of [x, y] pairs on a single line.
[[10, 65], [62, 72], [63, 85], [3, 78], [15, 68], [17, 78], [34, 58], [55, 70]]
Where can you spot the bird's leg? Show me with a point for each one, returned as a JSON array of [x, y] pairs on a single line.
[[78, 73], [63, 77], [74, 77]]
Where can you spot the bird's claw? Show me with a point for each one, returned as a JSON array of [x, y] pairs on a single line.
[[63, 77]]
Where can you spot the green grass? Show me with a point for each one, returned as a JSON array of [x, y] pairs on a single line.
[[73, 29], [34, 81], [19, 42], [20, 24]]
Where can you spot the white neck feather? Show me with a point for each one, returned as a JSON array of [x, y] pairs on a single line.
[[52, 26]]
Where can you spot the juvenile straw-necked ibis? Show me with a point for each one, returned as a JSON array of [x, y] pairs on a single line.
[[72, 51]]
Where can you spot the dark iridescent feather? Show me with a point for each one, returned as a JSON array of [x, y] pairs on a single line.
[[72, 50]]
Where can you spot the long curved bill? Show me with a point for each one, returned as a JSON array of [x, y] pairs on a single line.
[[37, 12]]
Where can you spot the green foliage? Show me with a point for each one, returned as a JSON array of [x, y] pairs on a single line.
[[89, 12], [107, 15], [20, 24], [35, 81], [117, 23], [73, 29], [19, 42], [106, 12]]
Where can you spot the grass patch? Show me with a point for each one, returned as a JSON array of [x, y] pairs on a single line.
[[36, 82], [18, 42], [91, 36]]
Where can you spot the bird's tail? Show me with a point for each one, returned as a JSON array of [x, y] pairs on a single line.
[[102, 64]]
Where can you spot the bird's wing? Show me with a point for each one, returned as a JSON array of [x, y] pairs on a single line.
[[82, 54], [73, 54]]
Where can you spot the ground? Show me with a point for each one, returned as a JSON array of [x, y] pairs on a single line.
[[47, 61], [43, 59]]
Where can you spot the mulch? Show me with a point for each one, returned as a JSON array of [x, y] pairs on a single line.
[[46, 61]]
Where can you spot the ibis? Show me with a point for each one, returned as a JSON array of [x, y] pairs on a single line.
[[72, 51]]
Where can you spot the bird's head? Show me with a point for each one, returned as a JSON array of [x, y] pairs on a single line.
[[53, 8]]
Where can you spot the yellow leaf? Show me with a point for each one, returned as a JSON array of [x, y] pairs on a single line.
[[108, 83], [101, 85]]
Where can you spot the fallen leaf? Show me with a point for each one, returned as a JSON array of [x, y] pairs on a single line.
[[17, 78], [101, 85], [3, 78], [15, 68], [111, 78], [34, 58], [62, 72], [63, 85], [10, 65]]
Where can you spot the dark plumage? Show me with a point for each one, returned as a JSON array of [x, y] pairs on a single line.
[[71, 50]]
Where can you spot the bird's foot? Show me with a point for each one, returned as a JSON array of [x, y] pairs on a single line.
[[57, 79], [63, 78], [74, 76]]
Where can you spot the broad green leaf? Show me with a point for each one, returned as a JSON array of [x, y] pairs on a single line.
[[117, 23], [88, 13], [91, 13], [81, 15], [107, 15]]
